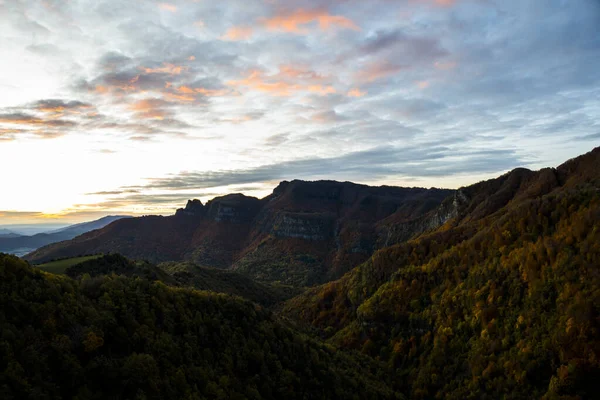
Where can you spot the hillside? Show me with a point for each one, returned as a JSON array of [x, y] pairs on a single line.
[[186, 275], [303, 233], [502, 301], [202, 278], [22, 244], [121, 338]]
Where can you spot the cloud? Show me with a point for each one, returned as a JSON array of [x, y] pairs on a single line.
[[285, 83], [238, 33], [292, 81], [112, 192], [54, 106], [593, 136], [277, 140], [445, 65], [329, 116], [296, 21], [375, 163], [168, 7], [438, 3], [166, 68], [151, 108], [378, 70], [356, 93], [19, 118]]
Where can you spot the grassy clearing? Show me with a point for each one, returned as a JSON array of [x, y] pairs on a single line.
[[60, 266]]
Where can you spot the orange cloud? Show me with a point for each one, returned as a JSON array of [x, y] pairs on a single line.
[[167, 68], [238, 33], [150, 108], [180, 98], [168, 7], [294, 21], [377, 71], [185, 89], [191, 58], [356, 93], [439, 3], [322, 90], [257, 81], [295, 72], [60, 107], [423, 84], [212, 92], [287, 81], [206, 92], [445, 3], [33, 121]]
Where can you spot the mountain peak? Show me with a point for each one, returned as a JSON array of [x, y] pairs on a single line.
[[192, 208]]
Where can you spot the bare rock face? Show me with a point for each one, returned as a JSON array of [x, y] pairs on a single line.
[[192, 208], [304, 226], [234, 208]]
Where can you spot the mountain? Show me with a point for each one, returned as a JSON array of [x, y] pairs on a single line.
[[22, 244], [5, 233], [303, 233], [124, 337], [502, 301], [84, 227], [491, 292]]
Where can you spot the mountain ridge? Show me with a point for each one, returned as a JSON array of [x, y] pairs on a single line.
[[503, 298], [17, 243], [325, 222]]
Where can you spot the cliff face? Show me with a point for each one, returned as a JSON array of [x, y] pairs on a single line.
[[303, 233]]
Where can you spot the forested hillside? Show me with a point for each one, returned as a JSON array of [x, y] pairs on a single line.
[[500, 304], [130, 338], [184, 274]]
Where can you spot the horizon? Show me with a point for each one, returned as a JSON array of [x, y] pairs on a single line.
[[133, 108], [68, 220]]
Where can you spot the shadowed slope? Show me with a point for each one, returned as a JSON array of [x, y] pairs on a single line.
[[503, 300]]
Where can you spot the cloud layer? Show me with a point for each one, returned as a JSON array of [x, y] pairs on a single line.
[[182, 97]]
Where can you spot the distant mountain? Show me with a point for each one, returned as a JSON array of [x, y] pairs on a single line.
[[303, 233], [6, 233], [79, 229], [22, 244]]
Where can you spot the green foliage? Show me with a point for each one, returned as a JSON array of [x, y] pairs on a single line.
[[184, 274], [224, 281], [503, 307], [118, 265], [127, 337], [60, 266]]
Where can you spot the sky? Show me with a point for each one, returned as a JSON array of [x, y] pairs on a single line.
[[133, 107]]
